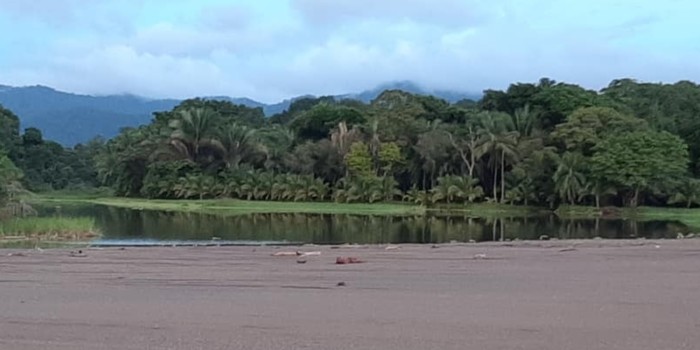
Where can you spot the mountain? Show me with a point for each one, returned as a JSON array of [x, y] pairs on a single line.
[[72, 118], [409, 86]]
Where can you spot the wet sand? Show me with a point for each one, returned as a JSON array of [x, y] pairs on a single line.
[[632, 295]]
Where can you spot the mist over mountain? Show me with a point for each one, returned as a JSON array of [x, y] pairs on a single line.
[[73, 118]]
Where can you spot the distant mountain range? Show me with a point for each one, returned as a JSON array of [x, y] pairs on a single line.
[[72, 118]]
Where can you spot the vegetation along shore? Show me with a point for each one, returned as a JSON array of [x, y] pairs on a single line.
[[536, 145]]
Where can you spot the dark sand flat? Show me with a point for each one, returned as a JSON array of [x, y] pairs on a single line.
[[632, 295]]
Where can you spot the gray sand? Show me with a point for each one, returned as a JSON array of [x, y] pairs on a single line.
[[631, 295]]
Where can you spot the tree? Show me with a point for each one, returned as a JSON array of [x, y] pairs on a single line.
[[433, 149], [227, 111], [239, 143], [123, 163], [9, 130], [194, 132], [570, 178], [688, 194], [162, 179], [9, 179], [638, 161], [359, 160], [390, 158], [466, 142], [501, 146], [317, 123], [586, 127]]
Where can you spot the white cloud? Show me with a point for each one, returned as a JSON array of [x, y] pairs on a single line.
[[116, 69], [345, 46], [443, 13]]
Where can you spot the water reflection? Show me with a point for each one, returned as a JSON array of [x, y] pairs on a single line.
[[121, 224]]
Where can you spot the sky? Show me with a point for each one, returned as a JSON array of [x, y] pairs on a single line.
[[270, 50]]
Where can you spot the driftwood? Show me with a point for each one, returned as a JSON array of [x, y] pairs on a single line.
[[287, 254], [297, 253], [348, 260]]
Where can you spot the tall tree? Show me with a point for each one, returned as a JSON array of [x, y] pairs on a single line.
[[638, 161], [194, 131], [570, 177]]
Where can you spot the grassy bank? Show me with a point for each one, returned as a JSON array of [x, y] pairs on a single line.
[[689, 217], [48, 229], [487, 210], [236, 207]]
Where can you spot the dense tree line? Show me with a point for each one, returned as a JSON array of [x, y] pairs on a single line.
[[46, 165], [544, 143]]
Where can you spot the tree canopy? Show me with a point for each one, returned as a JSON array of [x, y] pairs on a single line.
[[543, 143]]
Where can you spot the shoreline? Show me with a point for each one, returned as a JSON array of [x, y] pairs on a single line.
[[689, 217], [213, 244]]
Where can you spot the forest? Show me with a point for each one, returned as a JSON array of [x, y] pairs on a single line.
[[543, 144]]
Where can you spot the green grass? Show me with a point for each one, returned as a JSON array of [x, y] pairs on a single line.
[[487, 210], [48, 228], [689, 217], [578, 212], [88, 193], [236, 207]]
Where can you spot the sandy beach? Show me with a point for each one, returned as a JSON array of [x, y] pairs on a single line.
[[624, 295]]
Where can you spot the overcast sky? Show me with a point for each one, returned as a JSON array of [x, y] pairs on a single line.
[[274, 49]]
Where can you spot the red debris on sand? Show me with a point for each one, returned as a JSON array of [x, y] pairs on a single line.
[[349, 260]]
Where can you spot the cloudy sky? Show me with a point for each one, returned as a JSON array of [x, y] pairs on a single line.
[[274, 49]]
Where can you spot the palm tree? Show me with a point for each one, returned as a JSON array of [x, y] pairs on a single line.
[[239, 143], [124, 160], [440, 191], [275, 142], [598, 189], [414, 195], [689, 195], [502, 147], [194, 130], [466, 188], [524, 192], [523, 121], [569, 179], [341, 191], [279, 186], [389, 188], [196, 185]]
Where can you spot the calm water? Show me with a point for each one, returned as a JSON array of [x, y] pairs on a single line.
[[128, 226]]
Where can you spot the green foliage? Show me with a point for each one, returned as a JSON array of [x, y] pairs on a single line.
[[639, 161], [542, 143], [9, 130], [359, 160], [317, 123], [687, 194], [586, 127], [570, 177], [452, 188], [227, 111], [50, 228], [390, 157], [163, 179], [9, 179]]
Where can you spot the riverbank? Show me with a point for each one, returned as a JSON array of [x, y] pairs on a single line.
[[46, 231], [592, 295], [689, 217], [238, 207]]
